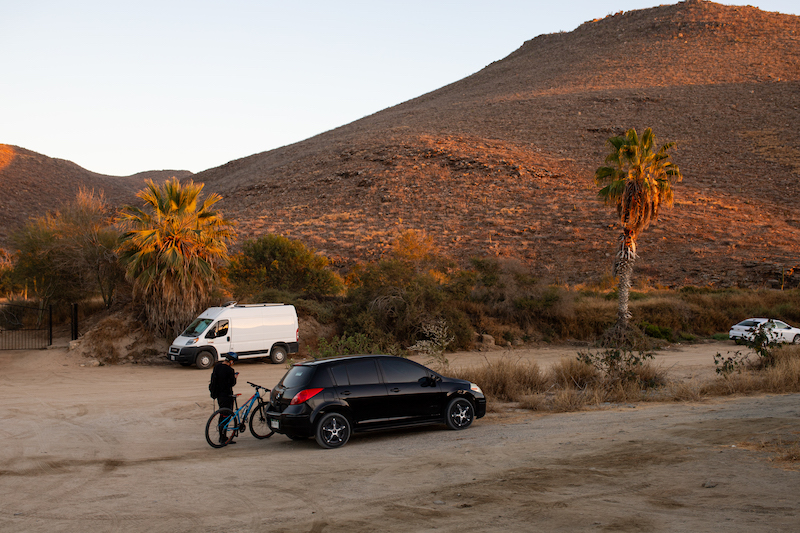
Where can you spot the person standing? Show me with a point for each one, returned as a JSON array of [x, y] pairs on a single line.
[[223, 379]]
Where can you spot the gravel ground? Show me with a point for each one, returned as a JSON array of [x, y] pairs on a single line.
[[121, 448]]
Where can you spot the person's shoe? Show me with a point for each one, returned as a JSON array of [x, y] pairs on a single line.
[[232, 442]]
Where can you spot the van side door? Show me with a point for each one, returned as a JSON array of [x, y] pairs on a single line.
[[219, 336]]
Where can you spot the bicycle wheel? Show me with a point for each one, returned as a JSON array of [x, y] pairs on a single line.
[[221, 427], [259, 425]]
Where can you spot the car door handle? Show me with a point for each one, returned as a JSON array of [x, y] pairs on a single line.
[[346, 393], [394, 390]]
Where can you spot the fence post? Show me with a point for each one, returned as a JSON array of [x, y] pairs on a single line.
[[75, 321], [50, 324]]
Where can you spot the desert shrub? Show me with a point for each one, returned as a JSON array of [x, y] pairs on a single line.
[[344, 345], [664, 312], [618, 365], [277, 262], [6, 271], [657, 332], [683, 391], [784, 376], [572, 373], [569, 399], [505, 380], [508, 292], [392, 300], [437, 338], [69, 255]]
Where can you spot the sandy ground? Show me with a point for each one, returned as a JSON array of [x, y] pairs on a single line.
[[121, 448]]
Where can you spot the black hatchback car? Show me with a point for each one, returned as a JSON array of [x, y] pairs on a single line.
[[329, 399]]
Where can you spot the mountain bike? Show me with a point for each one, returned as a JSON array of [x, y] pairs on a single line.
[[226, 424]]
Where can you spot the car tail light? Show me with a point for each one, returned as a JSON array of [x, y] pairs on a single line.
[[304, 395]]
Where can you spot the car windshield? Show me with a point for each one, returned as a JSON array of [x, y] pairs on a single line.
[[297, 376], [197, 327]]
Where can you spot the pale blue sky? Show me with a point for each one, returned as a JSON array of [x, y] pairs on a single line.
[[123, 87]]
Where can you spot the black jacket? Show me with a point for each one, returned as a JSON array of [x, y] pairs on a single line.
[[224, 378]]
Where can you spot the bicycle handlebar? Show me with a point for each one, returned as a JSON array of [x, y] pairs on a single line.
[[257, 386]]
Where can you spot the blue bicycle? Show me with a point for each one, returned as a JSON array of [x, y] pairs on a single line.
[[226, 424]]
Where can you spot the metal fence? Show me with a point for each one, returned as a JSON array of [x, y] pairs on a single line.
[[24, 327]]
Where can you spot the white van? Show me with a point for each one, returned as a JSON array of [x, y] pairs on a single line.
[[250, 330]]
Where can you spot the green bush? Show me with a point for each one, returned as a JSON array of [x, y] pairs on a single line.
[[277, 262], [69, 255], [357, 344]]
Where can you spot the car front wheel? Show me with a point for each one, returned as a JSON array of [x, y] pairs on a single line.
[[459, 414], [333, 430], [204, 360], [796, 339]]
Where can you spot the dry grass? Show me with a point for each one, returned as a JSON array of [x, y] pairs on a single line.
[[784, 450], [571, 385], [506, 380], [569, 373]]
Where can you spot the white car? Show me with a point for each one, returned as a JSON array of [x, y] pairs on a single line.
[[776, 330]]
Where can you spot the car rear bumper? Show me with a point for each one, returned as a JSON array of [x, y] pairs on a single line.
[[294, 425]]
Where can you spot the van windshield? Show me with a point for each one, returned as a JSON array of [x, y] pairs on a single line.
[[197, 327]]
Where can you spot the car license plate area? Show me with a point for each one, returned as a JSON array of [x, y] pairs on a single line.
[[274, 423]]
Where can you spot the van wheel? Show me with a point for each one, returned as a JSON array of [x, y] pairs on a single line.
[[204, 360], [278, 355]]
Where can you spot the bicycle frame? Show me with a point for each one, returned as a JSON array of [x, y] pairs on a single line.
[[242, 414]]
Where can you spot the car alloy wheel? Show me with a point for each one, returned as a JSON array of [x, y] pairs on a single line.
[[460, 414], [333, 430]]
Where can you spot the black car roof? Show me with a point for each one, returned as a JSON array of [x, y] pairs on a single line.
[[318, 362]]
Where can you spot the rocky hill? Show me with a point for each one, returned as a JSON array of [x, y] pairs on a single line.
[[501, 163], [34, 184]]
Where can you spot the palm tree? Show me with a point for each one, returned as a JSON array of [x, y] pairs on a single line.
[[637, 181], [172, 250]]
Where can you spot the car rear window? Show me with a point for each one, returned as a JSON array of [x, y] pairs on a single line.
[[748, 323], [297, 376]]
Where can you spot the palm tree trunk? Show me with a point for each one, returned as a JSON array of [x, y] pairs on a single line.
[[623, 267]]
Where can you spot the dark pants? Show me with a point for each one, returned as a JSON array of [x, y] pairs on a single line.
[[225, 401]]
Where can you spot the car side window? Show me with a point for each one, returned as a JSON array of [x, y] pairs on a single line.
[[220, 329], [362, 372], [401, 371], [340, 375]]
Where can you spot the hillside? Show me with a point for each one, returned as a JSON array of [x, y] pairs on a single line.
[[33, 184], [501, 162]]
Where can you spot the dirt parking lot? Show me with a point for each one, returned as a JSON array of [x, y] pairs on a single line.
[[121, 448]]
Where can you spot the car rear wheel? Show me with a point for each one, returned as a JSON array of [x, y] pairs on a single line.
[[796, 339], [333, 430], [278, 355], [460, 414], [204, 360]]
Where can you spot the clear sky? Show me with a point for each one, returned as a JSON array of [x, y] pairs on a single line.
[[123, 87]]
